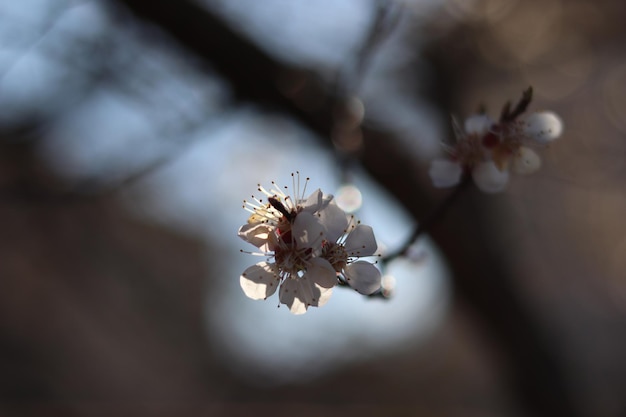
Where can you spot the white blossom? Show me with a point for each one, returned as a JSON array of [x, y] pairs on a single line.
[[310, 245], [469, 154], [293, 266], [345, 248], [489, 150]]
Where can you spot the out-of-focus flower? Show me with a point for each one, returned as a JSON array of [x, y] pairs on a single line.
[[488, 150], [469, 155], [512, 142]]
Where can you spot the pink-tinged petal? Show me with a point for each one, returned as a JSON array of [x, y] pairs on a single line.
[[525, 161], [489, 178], [260, 281], [335, 220], [322, 273], [543, 127], [257, 234], [478, 124], [445, 173], [307, 231], [361, 241], [363, 277]]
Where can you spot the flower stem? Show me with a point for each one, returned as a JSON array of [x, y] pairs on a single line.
[[431, 219]]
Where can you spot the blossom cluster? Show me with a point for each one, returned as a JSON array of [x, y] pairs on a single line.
[[489, 150], [310, 245]]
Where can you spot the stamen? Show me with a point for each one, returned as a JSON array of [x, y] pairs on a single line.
[[306, 182], [267, 254], [296, 186]]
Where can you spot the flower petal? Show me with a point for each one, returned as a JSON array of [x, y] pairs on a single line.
[[288, 295], [363, 277], [525, 161], [299, 294], [335, 220], [324, 296], [257, 234], [445, 173], [307, 230], [260, 281], [314, 288], [322, 273], [361, 241], [316, 201], [543, 127], [489, 178], [478, 124]]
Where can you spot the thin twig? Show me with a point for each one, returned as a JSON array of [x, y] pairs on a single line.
[[387, 16], [425, 225]]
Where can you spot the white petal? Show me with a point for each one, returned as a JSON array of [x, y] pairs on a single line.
[[322, 273], [307, 230], [363, 277], [489, 178], [445, 173], [478, 124], [326, 200], [324, 296], [245, 230], [526, 161], [300, 293], [542, 127], [260, 281], [361, 241], [289, 296], [334, 220], [314, 288], [257, 234], [314, 202]]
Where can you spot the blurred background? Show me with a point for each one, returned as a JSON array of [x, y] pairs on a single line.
[[131, 131]]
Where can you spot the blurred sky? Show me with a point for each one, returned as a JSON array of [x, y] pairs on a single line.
[[154, 108]]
